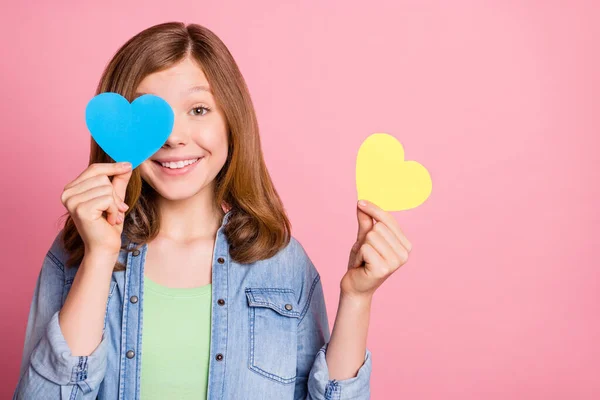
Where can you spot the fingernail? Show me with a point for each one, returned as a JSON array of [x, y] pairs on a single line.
[[124, 206], [362, 203], [125, 165]]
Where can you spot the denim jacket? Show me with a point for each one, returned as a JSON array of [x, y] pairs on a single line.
[[269, 333]]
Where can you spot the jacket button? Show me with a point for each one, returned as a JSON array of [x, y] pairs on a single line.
[[220, 260], [288, 307], [130, 354], [221, 302], [219, 357], [136, 253], [133, 299]]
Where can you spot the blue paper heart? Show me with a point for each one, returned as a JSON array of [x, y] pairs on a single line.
[[129, 131]]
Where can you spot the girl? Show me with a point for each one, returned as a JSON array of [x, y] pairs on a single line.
[[193, 248]]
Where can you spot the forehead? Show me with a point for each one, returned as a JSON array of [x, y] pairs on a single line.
[[181, 76]]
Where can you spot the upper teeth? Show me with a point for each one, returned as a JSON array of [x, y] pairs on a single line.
[[178, 164]]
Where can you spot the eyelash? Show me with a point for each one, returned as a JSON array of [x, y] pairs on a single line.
[[206, 108]]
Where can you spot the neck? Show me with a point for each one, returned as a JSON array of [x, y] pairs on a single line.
[[190, 219]]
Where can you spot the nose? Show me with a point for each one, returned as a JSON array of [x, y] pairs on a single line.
[[179, 136]]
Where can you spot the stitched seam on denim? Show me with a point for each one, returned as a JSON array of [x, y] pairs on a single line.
[[310, 293], [275, 307], [122, 361], [278, 290], [272, 376], [328, 390], [251, 366], [79, 368], [112, 289], [76, 369], [79, 374], [226, 324], [333, 390], [138, 343], [251, 337], [74, 392], [55, 260], [83, 375]]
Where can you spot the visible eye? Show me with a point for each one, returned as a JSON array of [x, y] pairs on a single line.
[[196, 109]]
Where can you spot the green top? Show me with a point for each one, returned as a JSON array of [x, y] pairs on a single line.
[[175, 342]]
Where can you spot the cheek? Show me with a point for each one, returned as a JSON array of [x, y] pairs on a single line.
[[221, 152], [145, 170], [215, 142]]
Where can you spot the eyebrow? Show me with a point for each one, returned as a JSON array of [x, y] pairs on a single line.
[[193, 89], [199, 88]]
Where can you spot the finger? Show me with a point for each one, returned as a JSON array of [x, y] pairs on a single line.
[[90, 183], [95, 207], [100, 169], [388, 219], [112, 213], [370, 256], [121, 205], [365, 224], [85, 185], [360, 257], [398, 248], [372, 262], [381, 245], [119, 183], [120, 218], [74, 202]]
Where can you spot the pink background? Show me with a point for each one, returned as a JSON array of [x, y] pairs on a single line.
[[498, 99]]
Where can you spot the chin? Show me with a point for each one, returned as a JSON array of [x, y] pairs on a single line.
[[175, 194]]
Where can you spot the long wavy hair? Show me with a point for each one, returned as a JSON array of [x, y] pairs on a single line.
[[258, 226]]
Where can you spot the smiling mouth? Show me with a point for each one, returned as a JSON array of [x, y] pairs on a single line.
[[177, 170], [177, 165]]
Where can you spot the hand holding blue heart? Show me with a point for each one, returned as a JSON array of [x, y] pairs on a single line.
[[129, 131]]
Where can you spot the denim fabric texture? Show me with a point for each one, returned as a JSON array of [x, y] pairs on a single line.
[[269, 333]]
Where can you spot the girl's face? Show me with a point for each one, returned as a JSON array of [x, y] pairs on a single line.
[[198, 141]]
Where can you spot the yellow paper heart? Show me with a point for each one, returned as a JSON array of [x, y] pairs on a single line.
[[384, 178]]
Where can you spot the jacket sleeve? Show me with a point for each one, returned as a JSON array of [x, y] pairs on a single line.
[[48, 370], [312, 381]]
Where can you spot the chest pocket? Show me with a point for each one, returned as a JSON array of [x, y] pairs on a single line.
[[273, 324]]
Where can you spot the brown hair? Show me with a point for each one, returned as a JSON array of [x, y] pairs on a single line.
[[258, 226]]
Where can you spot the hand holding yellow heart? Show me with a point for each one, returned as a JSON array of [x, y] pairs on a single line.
[[386, 179]]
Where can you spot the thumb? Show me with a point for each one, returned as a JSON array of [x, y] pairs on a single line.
[[120, 183], [365, 224]]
